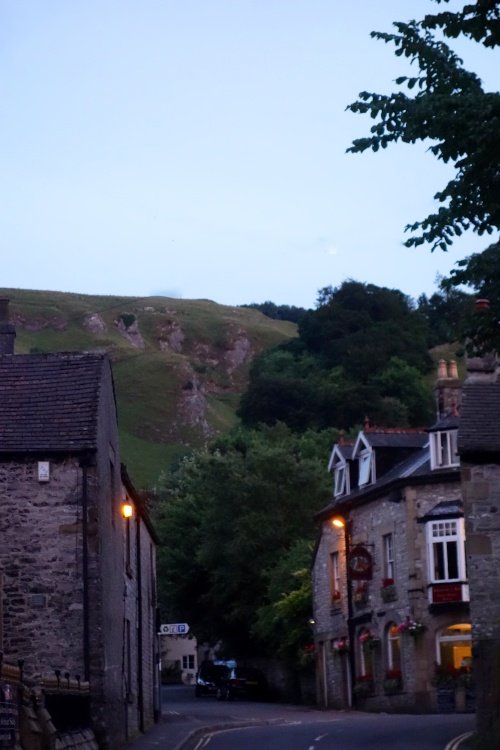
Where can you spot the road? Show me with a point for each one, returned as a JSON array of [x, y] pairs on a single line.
[[284, 727]]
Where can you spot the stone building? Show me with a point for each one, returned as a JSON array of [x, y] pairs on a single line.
[[390, 591], [479, 446], [78, 579]]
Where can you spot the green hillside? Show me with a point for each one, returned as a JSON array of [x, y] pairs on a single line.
[[180, 366]]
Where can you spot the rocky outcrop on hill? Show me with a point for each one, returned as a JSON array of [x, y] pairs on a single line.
[[180, 366]]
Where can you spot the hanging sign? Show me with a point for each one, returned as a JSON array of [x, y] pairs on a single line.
[[360, 564]]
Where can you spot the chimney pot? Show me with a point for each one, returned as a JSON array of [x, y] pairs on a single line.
[[482, 304], [442, 370], [452, 369]]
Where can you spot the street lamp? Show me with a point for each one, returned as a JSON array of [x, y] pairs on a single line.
[[127, 509], [339, 522]]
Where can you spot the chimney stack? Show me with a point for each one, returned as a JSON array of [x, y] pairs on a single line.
[[448, 389], [7, 330]]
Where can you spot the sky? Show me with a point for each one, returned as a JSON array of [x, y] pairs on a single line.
[[197, 149]]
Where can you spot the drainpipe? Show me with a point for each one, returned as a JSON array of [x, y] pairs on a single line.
[[140, 678], [351, 629], [323, 669], [84, 463]]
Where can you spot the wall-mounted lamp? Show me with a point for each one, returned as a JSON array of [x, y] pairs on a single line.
[[127, 509], [339, 522]]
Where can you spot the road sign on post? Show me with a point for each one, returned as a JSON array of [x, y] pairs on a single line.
[[177, 628]]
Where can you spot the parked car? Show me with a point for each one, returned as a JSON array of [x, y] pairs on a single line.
[[242, 682], [209, 677]]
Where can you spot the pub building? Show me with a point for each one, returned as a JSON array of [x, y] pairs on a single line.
[[390, 592]]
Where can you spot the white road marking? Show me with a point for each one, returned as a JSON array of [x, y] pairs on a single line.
[[455, 744], [321, 736]]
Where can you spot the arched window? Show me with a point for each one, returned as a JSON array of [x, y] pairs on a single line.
[[393, 648], [453, 646], [365, 653]]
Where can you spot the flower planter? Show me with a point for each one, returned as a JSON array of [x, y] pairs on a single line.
[[360, 600], [392, 685], [389, 593], [363, 689]]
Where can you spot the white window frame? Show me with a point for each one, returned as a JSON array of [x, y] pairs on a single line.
[[365, 467], [391, 639], [365, 658], [339, 480], [335, 573], [444, 449], [443, 532], [388, 555]]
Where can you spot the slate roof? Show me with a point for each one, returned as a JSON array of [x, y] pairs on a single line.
[[396, 438], [446, 508], [479, 429], [414, 469], [49, 402], [449, 422]]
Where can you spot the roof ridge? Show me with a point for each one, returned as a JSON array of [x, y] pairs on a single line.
[[395, 430]]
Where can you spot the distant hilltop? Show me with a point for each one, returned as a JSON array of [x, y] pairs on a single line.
[[180, 366]]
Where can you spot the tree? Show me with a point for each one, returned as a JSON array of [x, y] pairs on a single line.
[[228, 517], [331, 374], [480, 272], [361, 326], [278, 312], [445, 312], [451, 110]]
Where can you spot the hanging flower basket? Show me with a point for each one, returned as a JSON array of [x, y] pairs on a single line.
[[411, 627], [341, 646], [369, 641], [360, 596], [307, 655]]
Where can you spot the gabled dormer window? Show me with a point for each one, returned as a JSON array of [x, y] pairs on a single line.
[[444, 450], [365, 456], [339, 466]]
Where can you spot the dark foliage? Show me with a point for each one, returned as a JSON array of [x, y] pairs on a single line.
[[278, 312], [363, 351], [481, 272], [446, 105]]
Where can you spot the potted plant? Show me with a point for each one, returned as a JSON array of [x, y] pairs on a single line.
[[363, 687], [388, 590], [368, 640], [392, 682]]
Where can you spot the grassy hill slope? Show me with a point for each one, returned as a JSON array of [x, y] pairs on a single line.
[[180, 366]]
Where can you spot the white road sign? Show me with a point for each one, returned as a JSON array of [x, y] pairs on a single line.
[[177, 628]]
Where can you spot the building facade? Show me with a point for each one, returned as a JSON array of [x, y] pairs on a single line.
[[78, 579], [479, 446], [390, 589]]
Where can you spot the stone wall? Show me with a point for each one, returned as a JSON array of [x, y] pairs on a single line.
[[369, 523], [41, 564], [481, 490]]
